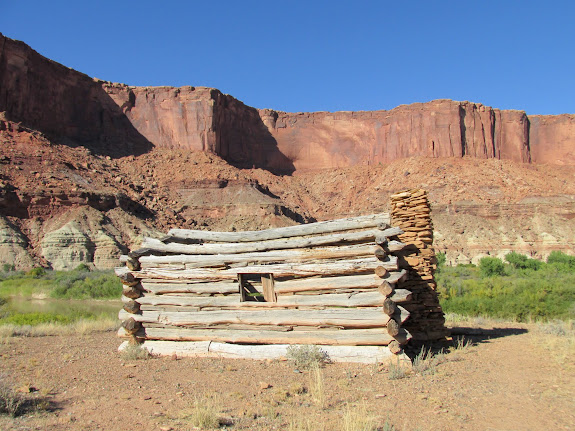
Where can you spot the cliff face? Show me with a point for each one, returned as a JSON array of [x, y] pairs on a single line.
[[120, 120], [66, 105], [442, 128]]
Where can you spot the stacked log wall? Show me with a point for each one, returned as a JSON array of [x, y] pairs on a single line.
[[334, 284]]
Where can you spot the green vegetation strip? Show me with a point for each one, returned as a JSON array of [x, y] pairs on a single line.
[[66, 296], [520, 289]]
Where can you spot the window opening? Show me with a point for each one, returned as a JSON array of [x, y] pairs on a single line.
[[257, 287]]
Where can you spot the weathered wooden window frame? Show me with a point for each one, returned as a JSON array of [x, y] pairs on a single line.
[[268, 290]]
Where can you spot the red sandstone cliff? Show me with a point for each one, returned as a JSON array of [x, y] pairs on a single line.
[[119, 120]]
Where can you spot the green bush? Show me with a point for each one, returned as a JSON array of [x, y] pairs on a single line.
[[491, 266], [520, 261], [518, 294], [563, 262], [85, 285], [441, 259], [38, 272], [82, 268]]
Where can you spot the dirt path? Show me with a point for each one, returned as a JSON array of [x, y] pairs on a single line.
[[509, 382]]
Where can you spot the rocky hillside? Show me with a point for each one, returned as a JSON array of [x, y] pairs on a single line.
[[87, 167]]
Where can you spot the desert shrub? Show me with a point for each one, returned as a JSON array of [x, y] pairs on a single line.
[[134, 352], [7, 267], [358, 419], [441, 259], [11, 402], [397, 370], [306, 356], [82, 268], [38, 272], [491, 266]]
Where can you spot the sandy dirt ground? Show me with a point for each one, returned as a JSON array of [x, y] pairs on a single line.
[[512, 377]]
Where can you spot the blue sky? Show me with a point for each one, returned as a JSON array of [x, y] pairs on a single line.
[[318, 55]]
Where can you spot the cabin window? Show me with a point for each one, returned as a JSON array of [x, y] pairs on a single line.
[[257, 287]]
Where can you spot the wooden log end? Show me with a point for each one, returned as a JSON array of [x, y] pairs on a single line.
[[393, 328], [133, 264], [389, 307], [395, 348], [131, 292], [131, 307], [385, 289], [380, 271], [380, 252], [131, 326]]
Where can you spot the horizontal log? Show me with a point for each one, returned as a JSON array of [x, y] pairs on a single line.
[[348, 337], [359, 354], [211, 288], [330, 226], [281, 256], [324, 268], [361, 299], [153, 246], [365, 281], [362, 318]]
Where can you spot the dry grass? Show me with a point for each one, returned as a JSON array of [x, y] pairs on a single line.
[[426, 362], [317, 387], [297, 423], [397, 370], [83, 326], [358, 419], [558, 338], [11, 402]]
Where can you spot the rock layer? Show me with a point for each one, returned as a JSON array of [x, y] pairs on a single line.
[[118, 120]]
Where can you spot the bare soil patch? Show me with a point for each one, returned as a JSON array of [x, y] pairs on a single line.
[[513, 377]]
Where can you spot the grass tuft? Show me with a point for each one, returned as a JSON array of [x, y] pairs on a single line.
[[397, 370], [426, 362], [205, 413]]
